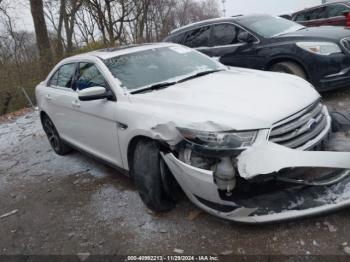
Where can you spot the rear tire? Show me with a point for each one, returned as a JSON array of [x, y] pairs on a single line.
[[55, 141], [146, 171], [289, 68]]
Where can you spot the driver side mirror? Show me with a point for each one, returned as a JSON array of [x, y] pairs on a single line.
[[94, 93], [245, 37]]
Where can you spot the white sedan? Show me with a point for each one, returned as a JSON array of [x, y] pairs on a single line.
[[240, 143]]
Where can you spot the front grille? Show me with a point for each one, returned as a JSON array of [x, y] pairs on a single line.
[[299, 129], [345, 42]]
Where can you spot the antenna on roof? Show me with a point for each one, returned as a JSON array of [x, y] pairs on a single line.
[[224, 7]]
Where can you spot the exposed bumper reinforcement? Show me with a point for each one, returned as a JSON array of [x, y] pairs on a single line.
[[285, 203]]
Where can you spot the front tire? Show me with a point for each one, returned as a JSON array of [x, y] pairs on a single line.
[[146, 171], [289, 68], [54, 139]]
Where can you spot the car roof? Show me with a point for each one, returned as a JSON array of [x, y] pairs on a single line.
[[107, 53], [236, 18], [325, 4]]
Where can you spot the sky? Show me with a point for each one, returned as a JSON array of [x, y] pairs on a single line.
[[274, 7], [234, 7]]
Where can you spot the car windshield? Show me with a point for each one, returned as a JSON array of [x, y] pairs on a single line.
[[148, 67], [270, 26]]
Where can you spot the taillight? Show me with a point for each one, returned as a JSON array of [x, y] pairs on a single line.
[[348, 17]]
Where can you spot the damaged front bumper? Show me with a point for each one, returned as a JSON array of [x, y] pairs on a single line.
[[273, 199]]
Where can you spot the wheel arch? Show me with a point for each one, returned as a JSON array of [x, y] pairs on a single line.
[[131, 149], [43, 114], [281, 59], [132, 144]]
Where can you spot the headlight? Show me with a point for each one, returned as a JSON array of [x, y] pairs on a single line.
[[320, 48], [219, 140]]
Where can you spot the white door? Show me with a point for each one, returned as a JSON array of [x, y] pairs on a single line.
[[95, 128], [60, 98]]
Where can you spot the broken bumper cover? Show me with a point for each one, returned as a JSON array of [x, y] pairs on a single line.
[[285, 203]]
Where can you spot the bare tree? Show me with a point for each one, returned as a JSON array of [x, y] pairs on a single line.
[[111, 17], [157, 18], [78, 26], [62, 15], [42, 36], [17, 60], [68, 10], [86, 25]]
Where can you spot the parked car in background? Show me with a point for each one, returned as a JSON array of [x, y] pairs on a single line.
[[165, 111], [321, 55], [336, 14]]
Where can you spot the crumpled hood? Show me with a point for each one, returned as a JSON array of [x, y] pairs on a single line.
[[237, 99]]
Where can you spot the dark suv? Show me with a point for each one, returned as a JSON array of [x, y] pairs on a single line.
[[336, 14], [319, 54]]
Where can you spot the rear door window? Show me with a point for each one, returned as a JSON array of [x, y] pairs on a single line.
[[198, 37], [315, 14], [225, 34], [63, 77], [323, 13], [66, 76]]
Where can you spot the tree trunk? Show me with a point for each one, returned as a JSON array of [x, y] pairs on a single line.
[[7, 101], [109, 23], [42, 37], [59, 29]]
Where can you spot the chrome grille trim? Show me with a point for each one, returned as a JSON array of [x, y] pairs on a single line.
[[345, 42], [299, 129], [314, 112]]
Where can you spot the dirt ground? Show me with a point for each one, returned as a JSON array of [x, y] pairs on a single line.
[[73, 204]]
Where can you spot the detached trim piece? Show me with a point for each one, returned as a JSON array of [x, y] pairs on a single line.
[[267, 158]]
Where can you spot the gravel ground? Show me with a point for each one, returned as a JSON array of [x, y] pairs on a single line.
[[73, 204]]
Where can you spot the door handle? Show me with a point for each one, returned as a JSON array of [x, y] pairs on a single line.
[[76, 103], [48, 97]]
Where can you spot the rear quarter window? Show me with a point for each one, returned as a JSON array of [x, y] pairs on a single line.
[[337, 10]]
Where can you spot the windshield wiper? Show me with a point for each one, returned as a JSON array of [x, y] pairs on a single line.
[[166, 84], [203, 73], [153, 87]]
